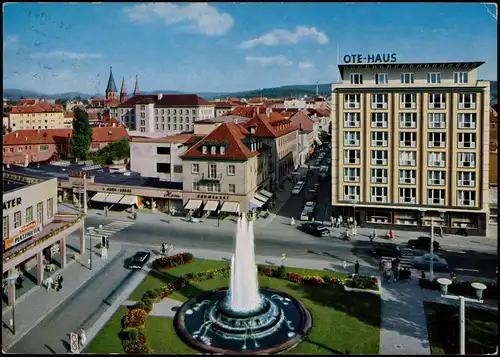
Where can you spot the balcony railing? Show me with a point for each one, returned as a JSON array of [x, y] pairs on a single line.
[[407, 124], [466, 203], [466, 145], [437, 144], [466, 183], [407, 105], [379, 180], [351, 142], [437, 163], [407, 200], [211, 177], [379, 161], [467, 125], [407, 162], [351, 178], [379, 142], [407, 180], [435, 182], [466, 105], [351, 197], [468, 164], [351, 105], [437, 105], [382, 199], [351, 162], [379, 105], [407, 144], [379, 124], [436, 201], [352, 124]]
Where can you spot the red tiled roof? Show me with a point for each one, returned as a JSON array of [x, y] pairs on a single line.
[[243, 112], [256, 100], [27, 101], [222, 104], [40, 107], [319, 112], [301, 118], [68, 115], [230, 133], [167, 100], [269, 126]]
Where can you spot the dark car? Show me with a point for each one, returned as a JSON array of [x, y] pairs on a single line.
[[138, 260], [423, 243], [315, 228], [386, 250]]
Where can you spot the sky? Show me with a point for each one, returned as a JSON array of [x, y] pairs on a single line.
[[223, 47]]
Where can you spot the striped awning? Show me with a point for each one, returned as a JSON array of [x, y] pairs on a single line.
[[230, 207], [193, 204], [128, 200], [266, 193], [253, 203], [99, 197], [261, 198], [211, 206]]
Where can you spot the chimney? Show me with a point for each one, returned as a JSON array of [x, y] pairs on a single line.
[[258, 110], [160, 96], [38, 131], [268, 112], [300, 126], [17, 135]]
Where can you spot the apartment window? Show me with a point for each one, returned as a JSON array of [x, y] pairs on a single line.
[[408, 139], [195, 168], [466, 198], [232, 188], [378, 194], [6, 232], [408, 101], [193, 111], [379, 138], [222, 150], [434, 77], [50, 207], [204, 150], [20, 149], [460, 77], [44, 147], [436, 159], [467, 121], [180, 111], [467, 159], [351, 174], [381, 78], [217, 187], [437, 101], [467, 101], [351, 138], [436, 178], [437, 140], [175, 111], [143, 107], [29, 214], [356, 78], [407, 177], [143, 115], [143, 130], [196, 186], [407, 195], [163, 168], [210, 187], [163, 150], [351, 157], [407, 120], [213, 150], [466, 179], [212, 171], [351, 193], [39, 213], [378, 175], [436, 197], [17, 219], [379, 120], [437, 120], [143, 122], [352, 101], [407, 158], [466, 140], [379, 101], [163, 127], [231, 170], [352, 120], [407, 78], [379, 157]]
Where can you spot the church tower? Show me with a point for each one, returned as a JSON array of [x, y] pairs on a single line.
[[136, 89], [123, 92], [111, 91]]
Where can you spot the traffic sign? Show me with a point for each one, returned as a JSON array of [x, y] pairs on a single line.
[[75, 347]]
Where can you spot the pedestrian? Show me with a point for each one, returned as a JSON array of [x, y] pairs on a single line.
[[292, 222], [344, 265], [60, 281], [82, 338], [356, 268], [422, 276], [402, 275], [441, 231], [48, 284], [453, 277], [372, 236], [340, 220], [19, 281], [162, 249], [333, 220]]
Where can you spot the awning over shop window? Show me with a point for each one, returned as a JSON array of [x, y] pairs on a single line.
[[266, 193], [99, 197], [211, 206], [259, 197], [230, 207], [253, 203], [316, 139], [128, 200], [113, 198], [193, 204]]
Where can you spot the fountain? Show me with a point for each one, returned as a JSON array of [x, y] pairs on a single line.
[[244, 318]]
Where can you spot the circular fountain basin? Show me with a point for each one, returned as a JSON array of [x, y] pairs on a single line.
[[209, 325]]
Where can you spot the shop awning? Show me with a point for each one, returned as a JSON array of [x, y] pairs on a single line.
[[211, 206], [266, 193], [99, 197], [113, 198], [253, 203], [193, 204], [128, 200], [259, 197], [230, 207], [316, 139]]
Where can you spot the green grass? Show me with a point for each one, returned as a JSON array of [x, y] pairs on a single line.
[[343, 322], [107, 340], [481, 329]]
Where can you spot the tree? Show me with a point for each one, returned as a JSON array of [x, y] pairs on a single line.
[[5, 129], [82, 135]]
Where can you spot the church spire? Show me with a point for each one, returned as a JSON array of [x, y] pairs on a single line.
[[123, 92], [111, 90], [136, 89]]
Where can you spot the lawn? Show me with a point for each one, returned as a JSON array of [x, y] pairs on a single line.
[[107, 340], [343, 322], [481, 329]]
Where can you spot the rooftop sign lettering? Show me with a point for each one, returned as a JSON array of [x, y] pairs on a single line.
[[370, 58]]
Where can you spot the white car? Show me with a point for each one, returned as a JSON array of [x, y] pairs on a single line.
[[308, 209], [299, 186], [423, 261]]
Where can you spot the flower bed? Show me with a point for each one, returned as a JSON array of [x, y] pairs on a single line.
[[462, 288], [172, 261]]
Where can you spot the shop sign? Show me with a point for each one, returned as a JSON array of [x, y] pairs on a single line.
[[21, 234], [213, 197], [171, 194], [121, 190], [12, 203], [370, 58]]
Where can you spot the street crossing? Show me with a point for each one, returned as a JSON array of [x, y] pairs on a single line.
[[406, 259], [109, 229]]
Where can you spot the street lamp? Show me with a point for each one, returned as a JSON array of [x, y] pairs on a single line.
[[12, 280], [479, 293], [90, 230], [218, 218]]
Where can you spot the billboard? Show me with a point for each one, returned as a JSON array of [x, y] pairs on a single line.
[[20, 234]]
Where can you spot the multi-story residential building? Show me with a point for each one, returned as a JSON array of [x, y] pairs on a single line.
[[222, 108], [206, 126], [40, 115], [225, 171], [281, 136], [307, 136], [169, 113], [494, 145], [410, 144], [26, 146], [321, 117]]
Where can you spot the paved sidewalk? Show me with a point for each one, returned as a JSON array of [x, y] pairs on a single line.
[[40, 303]]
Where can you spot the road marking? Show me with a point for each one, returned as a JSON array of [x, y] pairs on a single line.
[[462, 269]]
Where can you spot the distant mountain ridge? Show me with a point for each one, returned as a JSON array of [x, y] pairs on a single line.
[[297, 90]]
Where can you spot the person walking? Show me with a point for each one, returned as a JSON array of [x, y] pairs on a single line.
[[162, 249], [356, 268], [344, 265], [82, 338], [48, 284], [372, 236], [60, 281]]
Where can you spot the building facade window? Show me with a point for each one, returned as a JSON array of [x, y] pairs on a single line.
[[467, 160], [379, 157], [467, 101], [380, 101], [232, 188], [407, 177], [437, 101], [381, 78], [351, 157], [467, 120], [378, 194], [466, 198], [407, 78], [408, 101], [196, 186], [29, 214], [436, 159], [351, 193], [39, 213], [408, 195], [437, 120], [407, 158], [466, 179], [44, 147], [460, 77], [436, 178], [466, 140], [213, 150], [380, 120], [408, 139], [379, 138], [356, 78], [17, 219], [195, 168], [351, 138], [50, 208], [378, 175], [352, 101], [352, 120], [6, 232], [407, 120], [436, 197], [351, 174], [212, 171], [231, 170], [210, 187], [433, 77], [437, 140]]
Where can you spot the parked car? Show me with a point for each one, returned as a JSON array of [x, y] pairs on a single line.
[[315, 228], [386, 250], [423, 261], [423, 243], [138, 260], [299, 186], [308, 211]]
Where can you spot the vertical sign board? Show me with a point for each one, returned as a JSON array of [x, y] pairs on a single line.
[[75, 346]]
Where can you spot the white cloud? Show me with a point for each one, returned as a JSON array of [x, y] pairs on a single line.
[[67, 55], [279, 61], [11, 41], [279, 37], [199, 17], [306, 65]]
